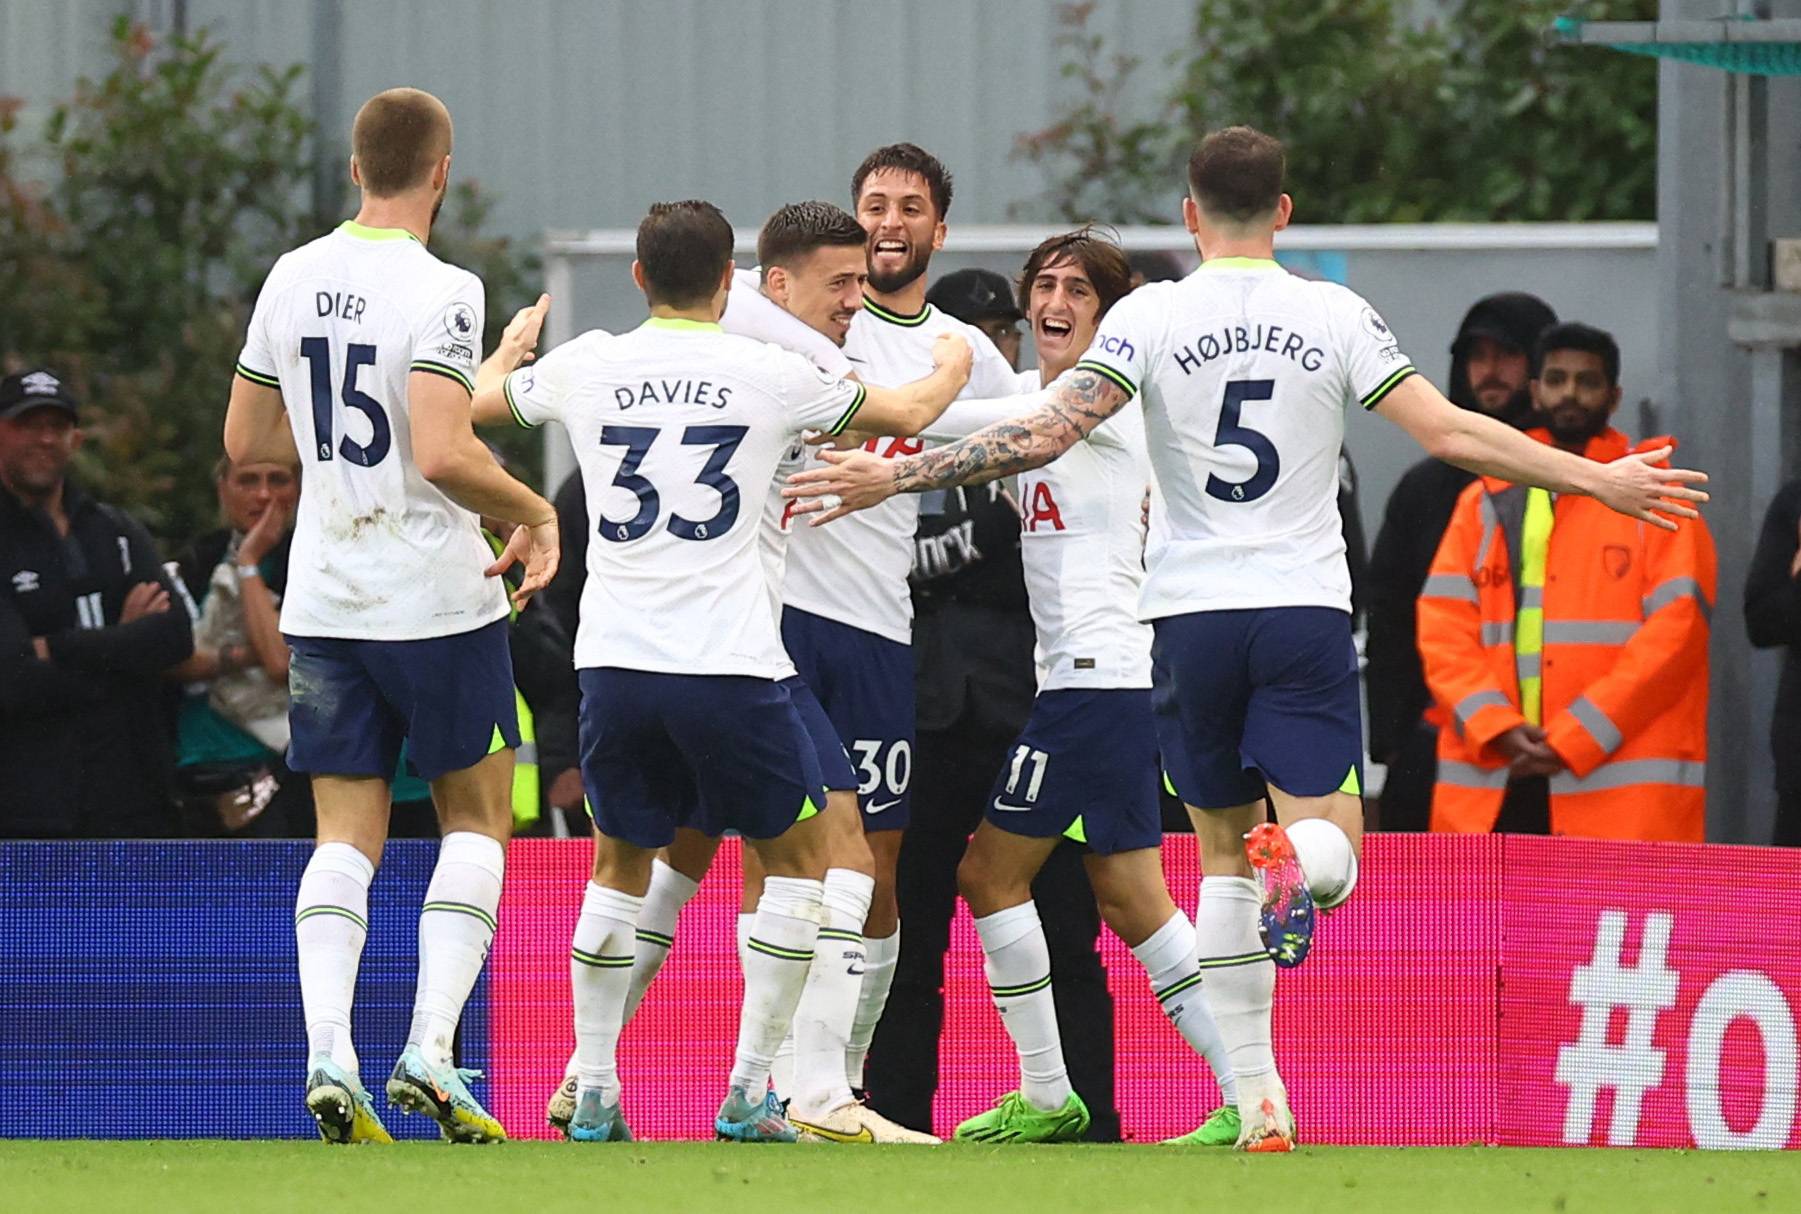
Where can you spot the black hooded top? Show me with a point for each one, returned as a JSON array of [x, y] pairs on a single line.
[[1414, 522]]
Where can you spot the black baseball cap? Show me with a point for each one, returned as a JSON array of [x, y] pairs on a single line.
[[972, 295], [30, 390]]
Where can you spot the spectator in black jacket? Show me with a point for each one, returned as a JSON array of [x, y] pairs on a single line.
[[556, 616], [88, 626], [1490, 371], [1773, 617]]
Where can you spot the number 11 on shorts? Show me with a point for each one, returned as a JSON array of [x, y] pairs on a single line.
[[1022, 755]]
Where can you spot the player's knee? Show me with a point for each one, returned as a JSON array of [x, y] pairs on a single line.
[[987, 887]]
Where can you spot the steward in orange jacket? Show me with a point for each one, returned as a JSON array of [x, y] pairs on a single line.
[[1565, 642]]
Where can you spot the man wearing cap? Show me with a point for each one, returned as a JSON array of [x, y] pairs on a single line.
[[1490, 373], [984, 299], [86, 634]]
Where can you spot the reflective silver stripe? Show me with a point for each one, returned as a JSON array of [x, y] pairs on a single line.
[[1677, 588], [1627, 772], [1490, 526], [1497, 632], [527, 752], [1474, 702], [1449, 586], [1468, 775], [1589, 632], [1532, 596], [1529, 665], [1599, 725]]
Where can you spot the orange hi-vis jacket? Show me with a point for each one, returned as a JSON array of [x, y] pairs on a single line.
[[1623, 663]]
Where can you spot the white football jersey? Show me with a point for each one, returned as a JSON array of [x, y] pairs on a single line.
[[1082, 544], [1245, 371], [855, 570], [678, 428], [379, 552], [750, 313]]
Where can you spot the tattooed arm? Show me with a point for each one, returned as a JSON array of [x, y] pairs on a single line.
[[856, 480]]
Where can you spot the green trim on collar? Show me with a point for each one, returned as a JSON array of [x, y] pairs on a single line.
[[351, 227], [895, 318], [1240, 263], [679, 324]]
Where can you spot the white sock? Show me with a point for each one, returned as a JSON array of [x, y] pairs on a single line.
[[778, 954], [456, 927], [1241, 984], [331, 921], [828, 1003], [1019, 977], [600, 970], [1169, 962], [669, 891], [880, 956], [744, 922]]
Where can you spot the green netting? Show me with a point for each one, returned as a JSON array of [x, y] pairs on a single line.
[[1746, 58]]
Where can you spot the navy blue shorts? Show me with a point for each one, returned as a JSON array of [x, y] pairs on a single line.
[[865, 683], [1266, 694], [834, 764], [350, 703], [657, 747], [1085, 766]]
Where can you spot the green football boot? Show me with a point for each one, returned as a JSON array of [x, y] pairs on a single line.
[[1219, 1130], [1012, 1119]]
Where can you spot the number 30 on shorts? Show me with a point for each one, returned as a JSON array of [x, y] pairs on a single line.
[[879, 773]]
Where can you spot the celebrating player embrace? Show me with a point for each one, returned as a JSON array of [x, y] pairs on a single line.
[[1244, 372]]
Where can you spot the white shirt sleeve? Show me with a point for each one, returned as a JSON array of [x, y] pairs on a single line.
[[964, 417], [449, 338], [1125, 345], [536, 392], [750, 313], [256, 362], [814, 399], [1373, 362]]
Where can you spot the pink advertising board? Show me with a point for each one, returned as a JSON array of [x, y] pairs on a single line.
[[1442, 1006]]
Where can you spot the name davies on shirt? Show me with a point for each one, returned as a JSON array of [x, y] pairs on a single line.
[[673, 392]]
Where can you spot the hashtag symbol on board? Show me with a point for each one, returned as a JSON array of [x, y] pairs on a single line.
[[1592, 1063]]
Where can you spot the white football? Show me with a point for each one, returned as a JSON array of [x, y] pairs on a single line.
[[1326, 858]]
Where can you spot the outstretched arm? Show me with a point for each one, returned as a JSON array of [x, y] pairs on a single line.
[[856, 480], [1633, 484]]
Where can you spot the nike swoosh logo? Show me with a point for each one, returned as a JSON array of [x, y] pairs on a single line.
[[862, 1134], [876, 807], [1011, 809]]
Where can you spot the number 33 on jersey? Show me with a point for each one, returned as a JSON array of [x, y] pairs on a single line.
[[674, 423]]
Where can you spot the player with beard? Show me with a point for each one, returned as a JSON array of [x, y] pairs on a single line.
[[1246, 372], [848, 611], [812, 268]]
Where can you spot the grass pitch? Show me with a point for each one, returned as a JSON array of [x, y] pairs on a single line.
[[668, 1178]]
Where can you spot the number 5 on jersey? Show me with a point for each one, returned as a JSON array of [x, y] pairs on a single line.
[[1233, 433]]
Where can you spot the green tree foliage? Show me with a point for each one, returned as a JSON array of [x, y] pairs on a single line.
[[134, 234], [1466, 116]]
